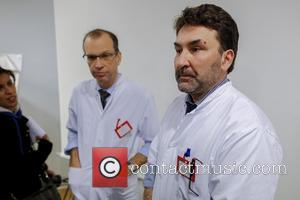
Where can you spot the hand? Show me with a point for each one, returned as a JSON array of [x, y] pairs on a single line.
[[132, 168], [45, 137], [139, 159], [136, 162], [148, 193]]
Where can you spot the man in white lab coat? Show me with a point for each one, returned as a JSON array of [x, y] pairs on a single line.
[[220, 143], [97, 108]]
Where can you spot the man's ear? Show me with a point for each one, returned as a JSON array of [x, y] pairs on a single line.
[[227, 59], [119, 58]]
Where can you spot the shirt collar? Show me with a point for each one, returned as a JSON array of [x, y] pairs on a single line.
[[112, 88]]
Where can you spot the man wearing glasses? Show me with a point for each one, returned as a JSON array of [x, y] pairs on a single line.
[[213, 134], [97, 108]]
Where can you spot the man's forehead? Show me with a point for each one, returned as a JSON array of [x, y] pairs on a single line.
[[189, 35], [103, 42], [102, 36]]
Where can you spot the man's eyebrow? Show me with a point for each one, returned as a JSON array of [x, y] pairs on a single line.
[[176, 44], [198, 41], [192, 43]]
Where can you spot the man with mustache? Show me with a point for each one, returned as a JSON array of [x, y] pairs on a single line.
[[96, 107], [213, 134]]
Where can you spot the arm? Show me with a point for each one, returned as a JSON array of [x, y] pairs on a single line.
[[147, 130], [36, 131], [148, 184], [148, 193], [74, 158], [252, 148], [72, 146], [149, 178]]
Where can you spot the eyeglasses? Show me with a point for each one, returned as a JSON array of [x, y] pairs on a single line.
[[106, 57]]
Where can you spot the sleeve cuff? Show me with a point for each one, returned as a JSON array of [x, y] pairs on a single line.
[[145, 148], [73, 143], [34, 128]]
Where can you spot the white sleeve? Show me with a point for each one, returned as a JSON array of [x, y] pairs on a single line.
[[154, 150], [248, 156], [72, 126], [150, 175], [34, 129], [149, 126]]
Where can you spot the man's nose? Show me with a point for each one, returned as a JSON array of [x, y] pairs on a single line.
[[182, 60], [98, 63]]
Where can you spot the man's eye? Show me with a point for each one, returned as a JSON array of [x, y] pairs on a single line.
[[195, 49], [92, 57], [105, 55], [178, 51]]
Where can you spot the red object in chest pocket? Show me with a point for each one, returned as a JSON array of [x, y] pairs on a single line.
[[123, 129], [185, 168]]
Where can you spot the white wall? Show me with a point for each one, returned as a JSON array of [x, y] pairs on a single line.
[[266, 68]]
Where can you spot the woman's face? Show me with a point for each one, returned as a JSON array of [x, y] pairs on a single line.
[[8, 94]]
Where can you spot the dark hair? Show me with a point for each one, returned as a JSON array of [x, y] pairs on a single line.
[[214, 17], [96, 33], [9, 72]]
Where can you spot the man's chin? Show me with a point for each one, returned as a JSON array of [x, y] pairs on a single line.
[[104, 83], [184, 87]]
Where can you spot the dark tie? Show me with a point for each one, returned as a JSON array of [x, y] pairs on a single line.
[[103, 95], [189, 107]]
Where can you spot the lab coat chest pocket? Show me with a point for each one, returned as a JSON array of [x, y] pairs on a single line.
[[124, 127]]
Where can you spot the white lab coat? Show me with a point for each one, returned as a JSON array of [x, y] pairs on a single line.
[[226, 128], [91, 126]]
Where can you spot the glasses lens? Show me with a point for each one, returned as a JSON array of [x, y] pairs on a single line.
[[107, 56], [103, 57], [91, 58]]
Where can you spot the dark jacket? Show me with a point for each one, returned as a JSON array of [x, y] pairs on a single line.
[[20, 164]]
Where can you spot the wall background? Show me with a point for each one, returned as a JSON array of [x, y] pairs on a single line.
[[49, 35]]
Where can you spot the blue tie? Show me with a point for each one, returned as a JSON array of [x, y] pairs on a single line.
[[103, 95]]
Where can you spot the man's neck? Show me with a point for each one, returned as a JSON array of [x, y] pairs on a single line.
[[108, 85], [198, 97]]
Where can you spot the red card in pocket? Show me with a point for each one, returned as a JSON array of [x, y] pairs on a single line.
[[123, 128]]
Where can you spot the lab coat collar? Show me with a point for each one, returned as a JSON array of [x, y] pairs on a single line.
[[212, 93]]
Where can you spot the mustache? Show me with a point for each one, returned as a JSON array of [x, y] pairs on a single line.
[[184, 72]]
